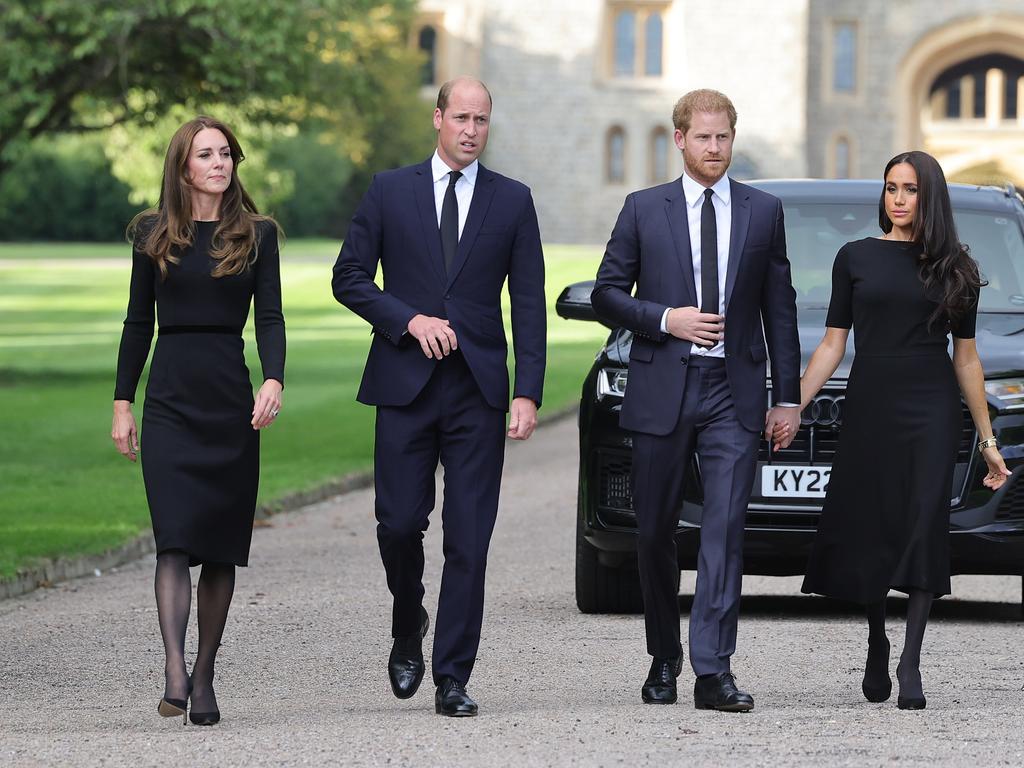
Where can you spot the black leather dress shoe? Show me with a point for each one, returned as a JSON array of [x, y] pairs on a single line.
[[660, 686], [405, 664], [720, 692], [451, 699]]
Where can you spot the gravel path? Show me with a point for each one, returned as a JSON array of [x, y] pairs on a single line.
[[301, 678]]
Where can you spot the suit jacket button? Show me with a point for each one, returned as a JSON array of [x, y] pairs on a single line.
[[682, 360], [447, 297]]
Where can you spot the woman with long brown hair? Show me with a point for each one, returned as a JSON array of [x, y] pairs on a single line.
[[885, 520], [199, 259]]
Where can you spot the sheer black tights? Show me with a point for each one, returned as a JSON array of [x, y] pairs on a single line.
[[876, 671], [173, 584]]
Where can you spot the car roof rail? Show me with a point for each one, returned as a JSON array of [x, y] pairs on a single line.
[[1012, 191]]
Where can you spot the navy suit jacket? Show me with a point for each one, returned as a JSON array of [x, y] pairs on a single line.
[[650, 248], [396, 226]]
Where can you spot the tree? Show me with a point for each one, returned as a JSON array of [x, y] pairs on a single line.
[[76, 65]]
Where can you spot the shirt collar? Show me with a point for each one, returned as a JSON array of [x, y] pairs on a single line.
[[440, 170], [693, 191]]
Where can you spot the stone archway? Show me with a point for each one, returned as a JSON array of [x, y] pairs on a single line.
[[969, 149]]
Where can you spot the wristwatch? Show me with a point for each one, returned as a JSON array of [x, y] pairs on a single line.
[[990, 442]]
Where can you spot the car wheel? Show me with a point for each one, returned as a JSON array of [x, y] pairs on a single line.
[[604, 588]]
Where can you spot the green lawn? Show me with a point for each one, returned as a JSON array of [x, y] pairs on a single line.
[[64, 490]]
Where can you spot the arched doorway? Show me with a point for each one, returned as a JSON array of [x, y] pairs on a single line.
[[961, 98]]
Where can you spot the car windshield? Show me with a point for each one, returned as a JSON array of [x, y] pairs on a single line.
[[815, 232]]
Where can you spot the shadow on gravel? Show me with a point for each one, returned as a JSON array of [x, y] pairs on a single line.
[[797, 606]]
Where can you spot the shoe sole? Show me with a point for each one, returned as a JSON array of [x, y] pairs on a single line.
[[725, 707], [658, 701], [457, 713]]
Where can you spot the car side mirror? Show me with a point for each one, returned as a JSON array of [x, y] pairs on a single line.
[[574, 302]]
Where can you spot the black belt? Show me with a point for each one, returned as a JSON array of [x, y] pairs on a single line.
[[701, 361], [170, 330]]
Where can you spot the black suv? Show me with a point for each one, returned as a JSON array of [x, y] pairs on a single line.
[[987, 529]]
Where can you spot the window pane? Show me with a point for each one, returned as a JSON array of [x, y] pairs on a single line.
[[616, 156], [625, 42], [953, 100], [844, 58], [659, 156], [652, 45], [842, 159], [979, 94], [1011, 96], [428, 46]]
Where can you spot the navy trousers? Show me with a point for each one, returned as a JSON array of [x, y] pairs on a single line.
[[449, 421], [727, 454]]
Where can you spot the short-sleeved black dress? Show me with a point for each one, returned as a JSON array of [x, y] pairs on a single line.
[[885, 521], [200, 454]]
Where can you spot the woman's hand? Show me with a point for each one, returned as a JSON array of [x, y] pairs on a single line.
[[268, 404], [123, 431], [997, 471]]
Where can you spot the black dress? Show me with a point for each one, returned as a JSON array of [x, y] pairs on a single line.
[[885, 521], [200, 454]]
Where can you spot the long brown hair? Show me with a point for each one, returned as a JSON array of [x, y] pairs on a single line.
[[949, 273], [162, 232]]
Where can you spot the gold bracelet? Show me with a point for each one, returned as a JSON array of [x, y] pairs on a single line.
[[988, 443]]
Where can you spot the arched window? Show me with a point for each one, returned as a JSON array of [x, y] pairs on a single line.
[[615, 156], [659, 170], [625, 43], [427, 44], [841, 158], [982, 88], [844, 57], [652, 45]]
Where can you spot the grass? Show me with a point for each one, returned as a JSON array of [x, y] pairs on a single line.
[[65, 491]]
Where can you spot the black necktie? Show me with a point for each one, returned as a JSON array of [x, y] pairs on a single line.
[[708, 256], [450, 221]]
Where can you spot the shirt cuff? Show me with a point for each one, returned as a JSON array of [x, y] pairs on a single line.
[[664, 320], [789, 405]]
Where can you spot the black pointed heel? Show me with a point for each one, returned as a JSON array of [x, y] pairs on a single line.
[[174, 707]]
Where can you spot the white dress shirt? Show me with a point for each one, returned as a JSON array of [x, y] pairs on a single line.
[[721, 199], [463, 187]]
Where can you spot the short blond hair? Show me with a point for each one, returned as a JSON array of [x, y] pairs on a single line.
[[702, 100]]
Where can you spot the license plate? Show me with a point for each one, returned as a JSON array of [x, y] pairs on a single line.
[[794, 482]]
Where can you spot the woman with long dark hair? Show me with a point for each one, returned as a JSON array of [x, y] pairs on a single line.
[[885, 521], [199, 259]]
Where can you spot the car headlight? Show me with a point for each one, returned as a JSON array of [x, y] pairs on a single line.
[[611, 381], [1009, 393]]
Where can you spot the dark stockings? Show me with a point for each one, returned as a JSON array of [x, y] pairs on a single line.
[[173, 601], [908, 672], [877, 684], [216, 586]]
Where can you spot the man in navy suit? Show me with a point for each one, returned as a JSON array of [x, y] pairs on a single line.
[[713, 302], [447, 234]]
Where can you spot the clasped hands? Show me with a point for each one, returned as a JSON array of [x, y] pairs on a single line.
[[438, 340]]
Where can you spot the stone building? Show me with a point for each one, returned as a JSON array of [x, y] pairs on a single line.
[[584, 89]]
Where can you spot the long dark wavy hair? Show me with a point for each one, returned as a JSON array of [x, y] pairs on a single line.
[[162, 231], [949, 274]]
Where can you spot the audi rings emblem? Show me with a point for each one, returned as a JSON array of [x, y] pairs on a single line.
[[824, 411]]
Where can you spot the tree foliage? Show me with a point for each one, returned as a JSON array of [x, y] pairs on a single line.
[[340, 68]]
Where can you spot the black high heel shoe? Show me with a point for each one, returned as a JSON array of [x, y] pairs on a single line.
[[174, 707], [909, 702], [202, 718], [877, 693]]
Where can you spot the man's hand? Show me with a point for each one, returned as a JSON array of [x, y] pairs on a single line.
[[522, 418], [781, 425], [435, 335], [690, 324]]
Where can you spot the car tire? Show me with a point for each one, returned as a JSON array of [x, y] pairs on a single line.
[[604, 588]]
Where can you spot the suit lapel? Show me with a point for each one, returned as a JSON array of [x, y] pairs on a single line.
[[737, 236], [483, 192], [424, 190], [675, 209]]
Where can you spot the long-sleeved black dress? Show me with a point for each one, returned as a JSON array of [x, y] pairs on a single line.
[[200, 454], [885, 521]]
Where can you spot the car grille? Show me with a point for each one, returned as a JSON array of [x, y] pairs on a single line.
[[816, 443], [1012, 505], [614, 483]]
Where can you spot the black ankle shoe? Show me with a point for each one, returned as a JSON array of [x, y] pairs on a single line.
[[877, 693], [405, 664], [660, 686], [204, 718], [451, 699], [719, 692], [909, 702]]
